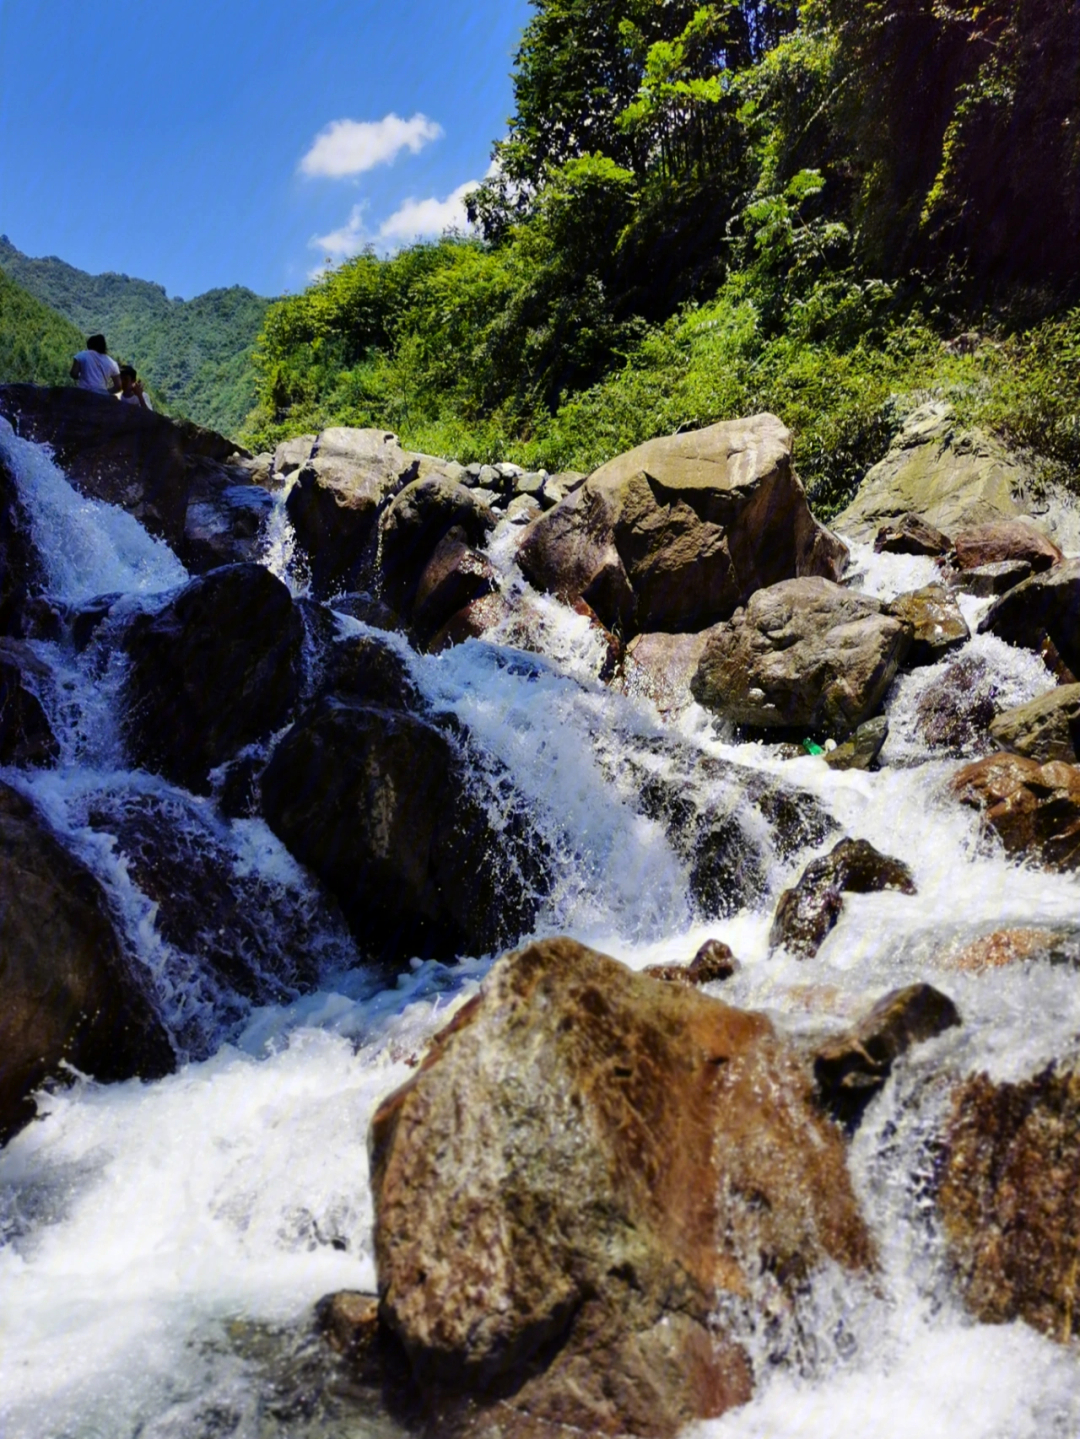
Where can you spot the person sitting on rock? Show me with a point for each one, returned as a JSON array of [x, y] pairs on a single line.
[[95, 369], [131, 388]]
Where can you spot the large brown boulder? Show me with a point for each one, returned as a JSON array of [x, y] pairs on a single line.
[[588, 1163], [1044, 729], [806, 913], [378, 803], [1033, 809], [937, 626], [420, 516], [216, 669], [1010, 1174], [1005, 540], [805, 653], [1043, 614], [677, 533], [68, 995]]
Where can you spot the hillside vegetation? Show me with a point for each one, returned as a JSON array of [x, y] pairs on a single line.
[[195, 354], [828, 210], [36, 344]]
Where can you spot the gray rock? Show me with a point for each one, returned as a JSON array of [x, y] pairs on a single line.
[[529, 482], [911, 535], [862, 749], [523, 509], [509, 471], [291, 455], [1043, 614], [552, 493], [997, 578], [489, 477], [805, 653], [414, 523], [1044, 729]]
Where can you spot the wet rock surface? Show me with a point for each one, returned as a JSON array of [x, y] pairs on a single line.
[[659, 667], [675, 534], [986, 581], [713, 963], [216, 669], [558, 1249], [68, 993], [19, 564], [937, 626], [955, 712], [420, 516], [911, 535], [1047, 728], [454, 577], [862, 749], [1009, 1178], [1033, 809], [805, 653], [1043, 614], [26, 738], [806, 913]]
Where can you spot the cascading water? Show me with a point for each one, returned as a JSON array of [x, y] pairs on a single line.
[[161, 1244]]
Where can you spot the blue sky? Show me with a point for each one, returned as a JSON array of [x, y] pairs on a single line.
[[242, 142]]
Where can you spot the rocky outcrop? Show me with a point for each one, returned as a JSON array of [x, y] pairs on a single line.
[[585, 1166], [805, 653], [67, 993], [1044, 729], [344, 483], [937, 626], [1010, 1173], [1002, 541], [851, 1068], [1043, 614], [806, 913], [675, 534], [378, 803], [947, 476], [1033, 809], [216, 669], [26, 737]]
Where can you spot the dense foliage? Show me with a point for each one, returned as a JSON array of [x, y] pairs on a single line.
[[194, 354], [36, 344], [706, 209]]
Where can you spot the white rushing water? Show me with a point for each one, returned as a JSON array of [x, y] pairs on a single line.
[[157, 1241]]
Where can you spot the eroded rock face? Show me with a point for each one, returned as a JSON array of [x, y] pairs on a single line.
[[1007, 1199], [377, 802], [675, 534], [1046, 728], [1043, 614], [805, 653], [585, 1163], [806, 913], [216, 669], [67, 993], [937, 626], [1034, 809]]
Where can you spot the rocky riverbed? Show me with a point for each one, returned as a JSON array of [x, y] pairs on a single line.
[[360, 817]]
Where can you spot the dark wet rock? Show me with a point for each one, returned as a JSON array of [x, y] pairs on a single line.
[[1046, 728], [985, 581], [226, 520], [713, 963], [349, 1322], [955, 712], [369, 609], [379, 804], [862, 749], [26, 737], [366, 669], [805, 914], [84, 621], [20, 569], [343, 486], [851, 1068], [215, 670], [937, 626], [476, 619], [69, 996], [659, 667], [455, 575], [1043, 614], [1009, 1177], [1033, 809], [585, 1164], [1004, 541], [675, 534], [805, 653], [422, 515], [911, 535]]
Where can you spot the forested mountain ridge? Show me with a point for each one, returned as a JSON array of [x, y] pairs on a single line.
[[36, 344], [194, 353], [827, 210]]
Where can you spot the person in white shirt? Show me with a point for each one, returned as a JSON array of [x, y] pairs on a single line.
[[95, 369], [131, 388]]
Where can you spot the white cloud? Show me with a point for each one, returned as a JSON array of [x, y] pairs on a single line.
[[349, 147], [416, 218], [347, 240]]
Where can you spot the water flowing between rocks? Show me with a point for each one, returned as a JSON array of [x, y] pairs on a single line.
[[161, 1244]]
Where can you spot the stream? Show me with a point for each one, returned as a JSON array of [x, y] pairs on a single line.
[[162, 1244]]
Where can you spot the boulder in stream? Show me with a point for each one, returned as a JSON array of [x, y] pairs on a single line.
[[1005, 540], [585, 1166], [675, 534], [26, 737], [1046, 728], [937, 626], [804, 654], [911, 535], [954, 712], [806, 913], [69, 996], [216, 669], [713, 963], [1043, 614], [424, 513], [1033, 809]]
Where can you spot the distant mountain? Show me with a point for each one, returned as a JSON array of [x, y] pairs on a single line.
[[194, 353], [36, 344]]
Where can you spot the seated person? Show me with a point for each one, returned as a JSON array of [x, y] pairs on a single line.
[[131, 388], [95, 369]]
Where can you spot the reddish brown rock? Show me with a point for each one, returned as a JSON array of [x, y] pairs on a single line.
[[586, 1161], [1004, 947], [1008, 1199], [455, 575], [937, 626], [806, 913], [659, 668], [675, 534], [1043, 614], [1034, 809], [713, 962], [1004, 540], [1046, 728]]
